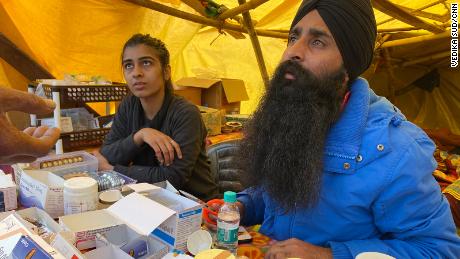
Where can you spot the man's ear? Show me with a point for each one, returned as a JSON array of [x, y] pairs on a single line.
[[167, 73]]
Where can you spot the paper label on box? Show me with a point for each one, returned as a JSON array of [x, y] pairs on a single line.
[[33, 193], [28, 248], [65, 248], [87, 239], [12, 224], [7, 245]]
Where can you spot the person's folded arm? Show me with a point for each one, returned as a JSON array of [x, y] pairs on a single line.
[[188, 133]]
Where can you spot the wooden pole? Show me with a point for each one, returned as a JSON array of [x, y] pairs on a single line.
[[397, 29], [195, 5], [418, 9], [417, 39], [425, 59], [241, 9], [420, 13], [393, 10], [381, 41], [202, 20], [21, 61], [255, 44]]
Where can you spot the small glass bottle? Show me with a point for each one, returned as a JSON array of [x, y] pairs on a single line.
[[228, 222]]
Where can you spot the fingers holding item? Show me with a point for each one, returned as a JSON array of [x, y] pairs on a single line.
[[15, 100], [41, 141], [30, 130], [40, 131], [36, 132], [25, 146]]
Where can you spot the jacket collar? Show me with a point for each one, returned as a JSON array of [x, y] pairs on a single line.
[[344, 139]]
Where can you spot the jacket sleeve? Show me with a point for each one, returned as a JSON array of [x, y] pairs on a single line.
[[119, 146], [188, 132], [254, 206], [411, 212]]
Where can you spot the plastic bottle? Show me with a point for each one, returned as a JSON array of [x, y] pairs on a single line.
[[228, 222], [80, 195]]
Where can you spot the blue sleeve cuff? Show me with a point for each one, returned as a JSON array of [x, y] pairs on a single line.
[[340, 250], [244, 198]]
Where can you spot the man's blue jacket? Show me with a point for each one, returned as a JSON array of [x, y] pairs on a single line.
[[378, 193]]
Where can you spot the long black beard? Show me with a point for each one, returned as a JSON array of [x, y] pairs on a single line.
[[282, 151]]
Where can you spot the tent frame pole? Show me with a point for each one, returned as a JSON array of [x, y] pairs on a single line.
[[202, 20]]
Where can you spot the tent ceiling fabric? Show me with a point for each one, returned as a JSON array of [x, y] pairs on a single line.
[[87, 37]]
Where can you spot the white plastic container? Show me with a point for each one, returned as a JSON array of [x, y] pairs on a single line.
[[80, 195]]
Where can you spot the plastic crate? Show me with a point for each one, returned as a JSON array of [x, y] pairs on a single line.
[[86, 93], [83, 139], [71, 96]]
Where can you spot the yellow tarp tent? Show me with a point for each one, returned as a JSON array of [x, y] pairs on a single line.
[[86, 36]]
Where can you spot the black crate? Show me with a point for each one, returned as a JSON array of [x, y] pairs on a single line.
[[82, 139], [86, 93]]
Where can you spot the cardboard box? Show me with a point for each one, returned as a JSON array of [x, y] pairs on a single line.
[[86, 225], [63, 244], [212, 120], [32, 215], [192, 94], [8, 188], [218, 93], [43, 190], [133, 243], [180, 225], [16, 237], [107, 252], [19, 223]]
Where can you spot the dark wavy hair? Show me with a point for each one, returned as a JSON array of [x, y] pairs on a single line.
[[156, 44]]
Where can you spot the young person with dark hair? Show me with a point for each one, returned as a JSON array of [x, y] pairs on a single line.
[[156, 135]]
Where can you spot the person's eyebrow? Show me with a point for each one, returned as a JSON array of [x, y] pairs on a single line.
[[146, 57], [141, 58], [319, 33], [295, 31], [127, 60]]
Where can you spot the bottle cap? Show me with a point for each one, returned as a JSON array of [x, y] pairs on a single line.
[[229, 196], [110, 196], [80, 185]]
